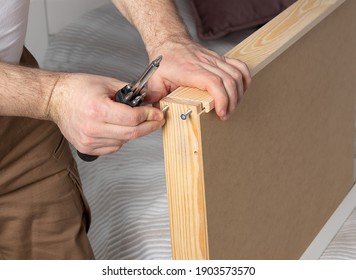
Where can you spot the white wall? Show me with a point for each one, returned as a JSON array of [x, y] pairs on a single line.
[[48, 17]]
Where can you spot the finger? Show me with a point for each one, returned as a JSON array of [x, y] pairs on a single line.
[[100, 135], [243, 69], [105, 150], [114, 136], [89, 144], [233, 86], [238, 76], [102, 144], [124, 115], [231, 69], [126, 133], [97, 136], [213, 84]]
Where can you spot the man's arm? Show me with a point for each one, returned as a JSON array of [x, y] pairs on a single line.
[[80, 104], [185, 63], [25, 91], [157, 21]]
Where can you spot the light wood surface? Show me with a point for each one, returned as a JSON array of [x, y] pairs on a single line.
[[265, 182], [268, 42], [185, 174]]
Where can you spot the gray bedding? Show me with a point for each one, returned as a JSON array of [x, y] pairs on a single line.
[[126, 191]]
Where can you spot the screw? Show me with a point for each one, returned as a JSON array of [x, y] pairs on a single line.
[[165, 108], [186, 115]]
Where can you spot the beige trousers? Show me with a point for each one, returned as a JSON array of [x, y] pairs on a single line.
[[43, 211]]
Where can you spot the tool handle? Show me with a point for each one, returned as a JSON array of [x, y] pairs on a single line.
[[86, 157]]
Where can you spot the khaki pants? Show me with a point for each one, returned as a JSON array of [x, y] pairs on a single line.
[[43, 212]]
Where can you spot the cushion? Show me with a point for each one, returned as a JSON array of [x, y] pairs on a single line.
[[217, 18]]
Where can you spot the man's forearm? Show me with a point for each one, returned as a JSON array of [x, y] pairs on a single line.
[[25, 91], [156, 20]]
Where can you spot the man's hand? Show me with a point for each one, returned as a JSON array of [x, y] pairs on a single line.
[[184, 63], [189, 64], [81, 106]]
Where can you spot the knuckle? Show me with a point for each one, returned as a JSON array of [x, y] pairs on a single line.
[[86, 141], [90, 130], [230, 82], [216, 80], [85, 145], [189, 67], [236, 74]]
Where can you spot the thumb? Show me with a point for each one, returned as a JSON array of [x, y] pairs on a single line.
[[149, 113]]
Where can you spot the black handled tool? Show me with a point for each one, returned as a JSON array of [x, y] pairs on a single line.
[[130, 95]]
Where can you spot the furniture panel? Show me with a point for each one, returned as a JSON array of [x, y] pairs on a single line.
[[263, 184]]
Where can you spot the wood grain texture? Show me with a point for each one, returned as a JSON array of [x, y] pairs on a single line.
[[269, 42], [291, 136], [185, 182]]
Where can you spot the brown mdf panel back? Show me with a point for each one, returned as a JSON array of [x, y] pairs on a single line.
[[278, 169]]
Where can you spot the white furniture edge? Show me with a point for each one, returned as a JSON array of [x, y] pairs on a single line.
[[332, 226]]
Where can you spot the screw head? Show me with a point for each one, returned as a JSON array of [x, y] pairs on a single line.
[[186, 115]]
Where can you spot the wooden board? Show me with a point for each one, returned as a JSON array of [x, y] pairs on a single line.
[[263, 184], [263, 46], [286, 161]]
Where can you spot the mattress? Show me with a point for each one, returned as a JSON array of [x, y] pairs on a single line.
[[126, 191]]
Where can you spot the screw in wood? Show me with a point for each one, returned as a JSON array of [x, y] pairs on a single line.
[[186, 115], [165, 108]]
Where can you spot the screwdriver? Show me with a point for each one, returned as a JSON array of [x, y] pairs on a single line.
[[130, 95]]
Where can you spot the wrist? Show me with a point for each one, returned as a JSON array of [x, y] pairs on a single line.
[[168, 45], [56, 96]]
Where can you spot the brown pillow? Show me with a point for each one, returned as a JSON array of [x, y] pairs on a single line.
[[217, 18]]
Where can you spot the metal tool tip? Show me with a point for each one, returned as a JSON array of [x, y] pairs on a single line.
[[157, 61]]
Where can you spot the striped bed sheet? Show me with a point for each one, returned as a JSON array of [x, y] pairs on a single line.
[[126, 190]]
